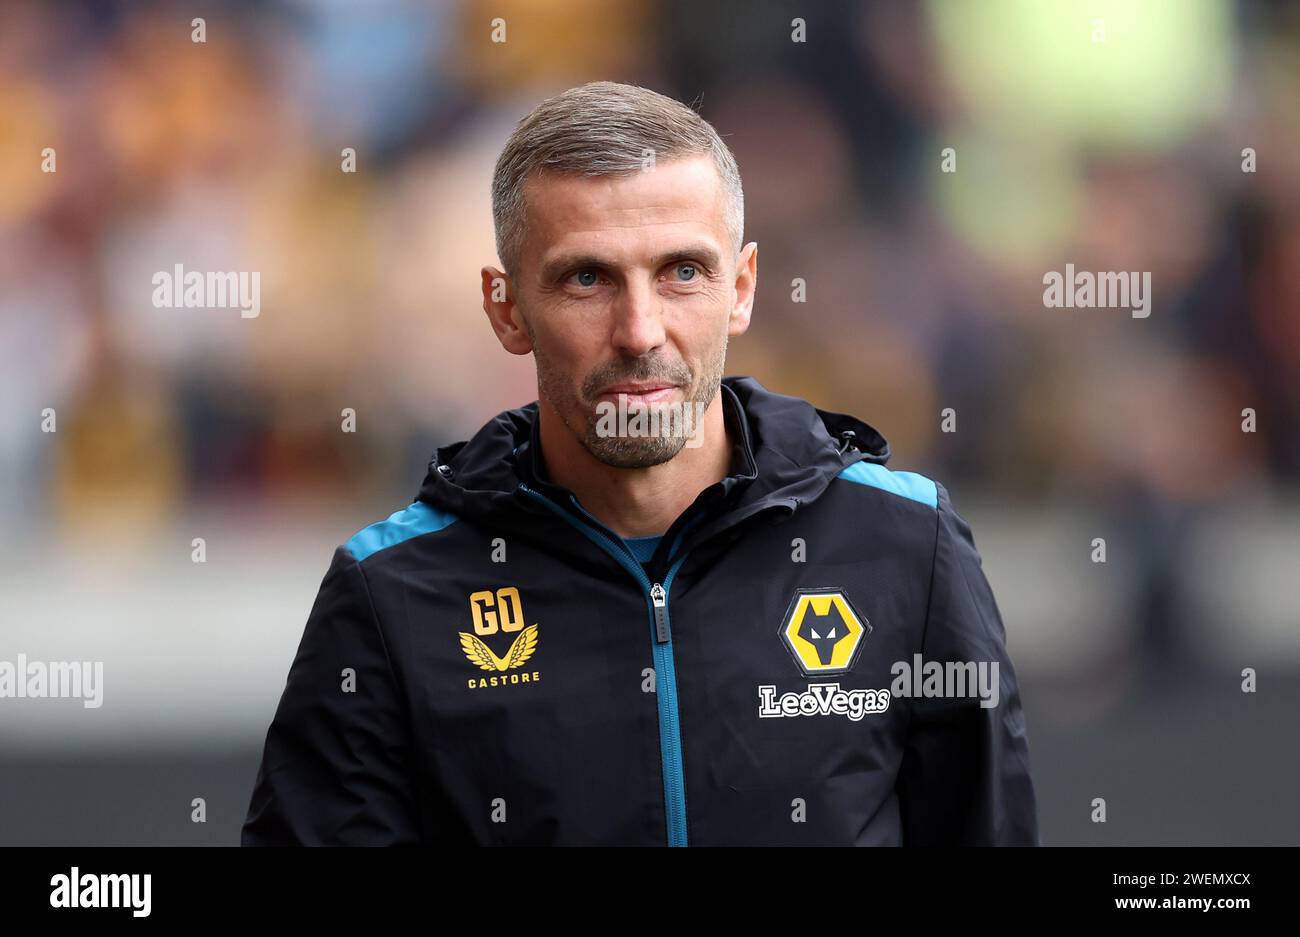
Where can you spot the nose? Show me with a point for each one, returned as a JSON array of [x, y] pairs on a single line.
[[638, 321]]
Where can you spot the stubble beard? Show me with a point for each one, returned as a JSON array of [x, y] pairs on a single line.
[[631, 451]]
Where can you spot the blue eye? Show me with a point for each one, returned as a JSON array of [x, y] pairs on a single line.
[[588, 273], [691, 268]]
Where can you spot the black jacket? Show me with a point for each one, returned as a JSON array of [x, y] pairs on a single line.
[[491, 665]]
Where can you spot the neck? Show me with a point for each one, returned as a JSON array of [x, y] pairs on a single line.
[[636, 502]]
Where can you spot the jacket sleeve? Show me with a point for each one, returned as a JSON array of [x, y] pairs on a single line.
[[335, 769], [964, 779]]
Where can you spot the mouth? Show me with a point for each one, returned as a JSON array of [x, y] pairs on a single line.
[[649, 392]]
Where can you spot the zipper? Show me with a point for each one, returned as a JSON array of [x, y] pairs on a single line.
[[660, 600], [670, 730], [656, 593]]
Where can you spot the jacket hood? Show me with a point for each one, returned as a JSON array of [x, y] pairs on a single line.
[[785, 454]]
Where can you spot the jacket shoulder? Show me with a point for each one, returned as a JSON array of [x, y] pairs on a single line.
[[414, 520], [908, 485]]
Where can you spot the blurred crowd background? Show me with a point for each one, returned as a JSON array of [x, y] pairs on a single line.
[[925, 292]]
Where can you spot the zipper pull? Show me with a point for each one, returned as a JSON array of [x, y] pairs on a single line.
[[661, 613]]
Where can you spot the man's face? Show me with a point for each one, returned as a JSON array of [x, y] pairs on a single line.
[[628, 284]]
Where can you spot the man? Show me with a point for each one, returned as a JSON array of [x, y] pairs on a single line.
[[589, 630]]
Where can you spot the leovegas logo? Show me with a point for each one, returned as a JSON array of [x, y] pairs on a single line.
[[496, 613]]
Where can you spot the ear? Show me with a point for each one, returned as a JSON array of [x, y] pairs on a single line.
[[746, 284], [502, 312]]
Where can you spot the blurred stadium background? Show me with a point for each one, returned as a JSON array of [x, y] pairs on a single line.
[[925, 292]]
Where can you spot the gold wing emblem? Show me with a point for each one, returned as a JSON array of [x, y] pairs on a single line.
[[523, 648], [481, 656]]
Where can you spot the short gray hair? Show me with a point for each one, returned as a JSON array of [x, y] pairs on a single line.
[[603, 128]]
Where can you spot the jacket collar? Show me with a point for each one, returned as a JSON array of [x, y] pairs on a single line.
[[531, 466], [785, 453]]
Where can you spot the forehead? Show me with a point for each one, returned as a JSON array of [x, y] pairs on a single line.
[[624, 214]]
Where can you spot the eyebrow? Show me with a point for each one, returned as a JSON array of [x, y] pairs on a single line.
[[707, 255]]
